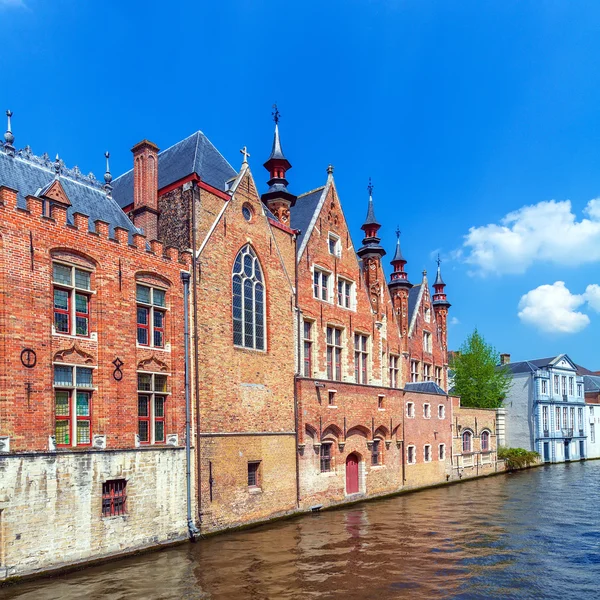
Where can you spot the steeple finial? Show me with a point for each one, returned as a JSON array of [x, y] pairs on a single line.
[[438, 261], [276, 114], [57, 167], [370, 189], [107, 175], [9, 138], [330, 169], [246, 154], [398, 232]]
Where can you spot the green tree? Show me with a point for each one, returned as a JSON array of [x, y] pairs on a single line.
[[477, 378]]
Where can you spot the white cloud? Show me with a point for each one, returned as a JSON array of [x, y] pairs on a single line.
[[551, 308], [592, 296], [454, 321], [12, 4], [547, 231]]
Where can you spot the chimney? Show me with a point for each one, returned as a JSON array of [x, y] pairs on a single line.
[[145, 188], [504, 359]]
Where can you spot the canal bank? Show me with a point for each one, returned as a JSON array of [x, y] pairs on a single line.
[[500, 537], [67, 569]]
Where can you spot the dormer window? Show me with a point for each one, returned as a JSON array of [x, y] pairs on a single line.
[[427, 314], [335, 247]]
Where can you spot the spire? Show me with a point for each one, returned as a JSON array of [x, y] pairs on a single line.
[[9, 138], [399, 277], [277, 198], [107, 175], [370, 227], [439, 298]]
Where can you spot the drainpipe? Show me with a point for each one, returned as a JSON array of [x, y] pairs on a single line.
[[185, 278], [298, 370]]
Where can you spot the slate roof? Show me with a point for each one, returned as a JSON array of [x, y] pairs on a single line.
[[194, 154], [398, 256], [370, 219], [302, 212], [438, 279], [529, 366], [413, 296], [29, 174], [591, 383], [428, 387]]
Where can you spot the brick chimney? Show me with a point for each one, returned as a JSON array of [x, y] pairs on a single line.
[[145, 188], [504, 359]]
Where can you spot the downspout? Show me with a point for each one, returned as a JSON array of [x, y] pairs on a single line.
[[196, 357], [404, 441], [192, 530], [298, 370]]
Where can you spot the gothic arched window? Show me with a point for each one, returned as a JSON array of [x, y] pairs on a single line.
[[467, 441], [248, 301]]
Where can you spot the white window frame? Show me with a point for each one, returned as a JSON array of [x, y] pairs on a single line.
[[427, 314], [441, 411], [426, 372], [320, 272], [427, 410], [349, 287], [427, 449], [427, 342], [410, 410], [441, 451], [394, 370], [438, 376], [414, 371], [544, 386], [414, 453], [332, 237]]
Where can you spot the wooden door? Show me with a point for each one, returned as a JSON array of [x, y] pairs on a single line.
[[352, 474]]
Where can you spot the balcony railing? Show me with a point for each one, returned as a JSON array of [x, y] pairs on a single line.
[[567, 432], [581, 433], [546, 433]]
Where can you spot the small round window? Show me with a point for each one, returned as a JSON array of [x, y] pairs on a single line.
[[247, 212]]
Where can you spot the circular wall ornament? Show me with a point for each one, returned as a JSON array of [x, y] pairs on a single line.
[[28, 358]]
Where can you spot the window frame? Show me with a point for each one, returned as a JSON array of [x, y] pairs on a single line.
[[426, 410], [544, 387], [485, 434], [394, 370], [377, 453], [346, 294], [441, 451], [427, 372], [467, 441], [73, 418], [321, 288], [337, 243], [427, 455], [441, 411], [307, 347], [73, 291], [326, 457], [254, 473], [361, 358], [114, 498], [256, 339], [151, 309], [408, 454], [438, 376], [427, 343], [153, 397], [334, 348], [414, 371], [410, 410]]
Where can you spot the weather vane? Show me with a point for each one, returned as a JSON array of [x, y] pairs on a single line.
[[439, 260], [276, 114], [370, 187], [398, 231]]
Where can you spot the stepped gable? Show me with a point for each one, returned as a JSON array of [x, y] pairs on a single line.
[[29, 175], [194, 154]]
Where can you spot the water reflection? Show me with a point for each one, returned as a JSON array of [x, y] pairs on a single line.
[[530, 535]]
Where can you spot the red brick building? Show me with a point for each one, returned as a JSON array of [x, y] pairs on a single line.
[[92, 409]]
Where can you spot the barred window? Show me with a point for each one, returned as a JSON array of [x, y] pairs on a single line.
[[114, 498], [325, 458], [248, 301], [254, 474]]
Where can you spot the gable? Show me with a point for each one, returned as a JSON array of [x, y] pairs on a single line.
[[564, 362], [55, 192]]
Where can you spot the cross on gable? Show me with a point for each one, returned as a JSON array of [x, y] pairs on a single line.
[[246, 154]]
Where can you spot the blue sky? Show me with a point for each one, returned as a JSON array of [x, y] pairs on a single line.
[[478, 122]]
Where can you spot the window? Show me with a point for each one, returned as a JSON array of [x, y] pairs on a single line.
[[467, 441], [427, 453], [441, 411], [556, 388], [151, 307], [254, 474], [565, 417], [410, 410], [72, 402], [152, 390], [71, 300], [114, 498], [326, 458], [545, 420], [308, 342], [247, 212], [563, 381], [360, 358], [442, 451], [571, 386], [572, 413], [592, 433], [331, 398], [426, 342], [557, 418], [426, 372], [394, 371], [380, 401], [334, 245], [544, 386], [438, 376], [321, 285], [580, 417], [344, 293], [414, 370], [579, 386], [248, 301], [376, 455], [334, 353], [427, 314], [427, 411], [485, 441], [411, 455]]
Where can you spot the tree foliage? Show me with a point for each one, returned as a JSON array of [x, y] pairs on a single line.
[[517, 458], [478, 380]]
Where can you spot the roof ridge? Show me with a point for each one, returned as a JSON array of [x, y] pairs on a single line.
[[317, 189]]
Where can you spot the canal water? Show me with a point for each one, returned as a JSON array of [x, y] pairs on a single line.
[[534, 534]]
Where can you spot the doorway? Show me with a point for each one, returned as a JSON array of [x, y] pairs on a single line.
[[352, 474], [567, 453]]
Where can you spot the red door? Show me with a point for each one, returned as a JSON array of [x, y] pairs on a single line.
[[352, 474]]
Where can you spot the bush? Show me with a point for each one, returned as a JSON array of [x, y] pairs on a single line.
[[517, 458]]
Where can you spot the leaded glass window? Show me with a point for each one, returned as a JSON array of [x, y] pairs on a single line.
[[248, 301]]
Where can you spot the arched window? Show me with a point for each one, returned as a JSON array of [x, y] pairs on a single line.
[[485, 441], [248, 301], [467, 439]]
